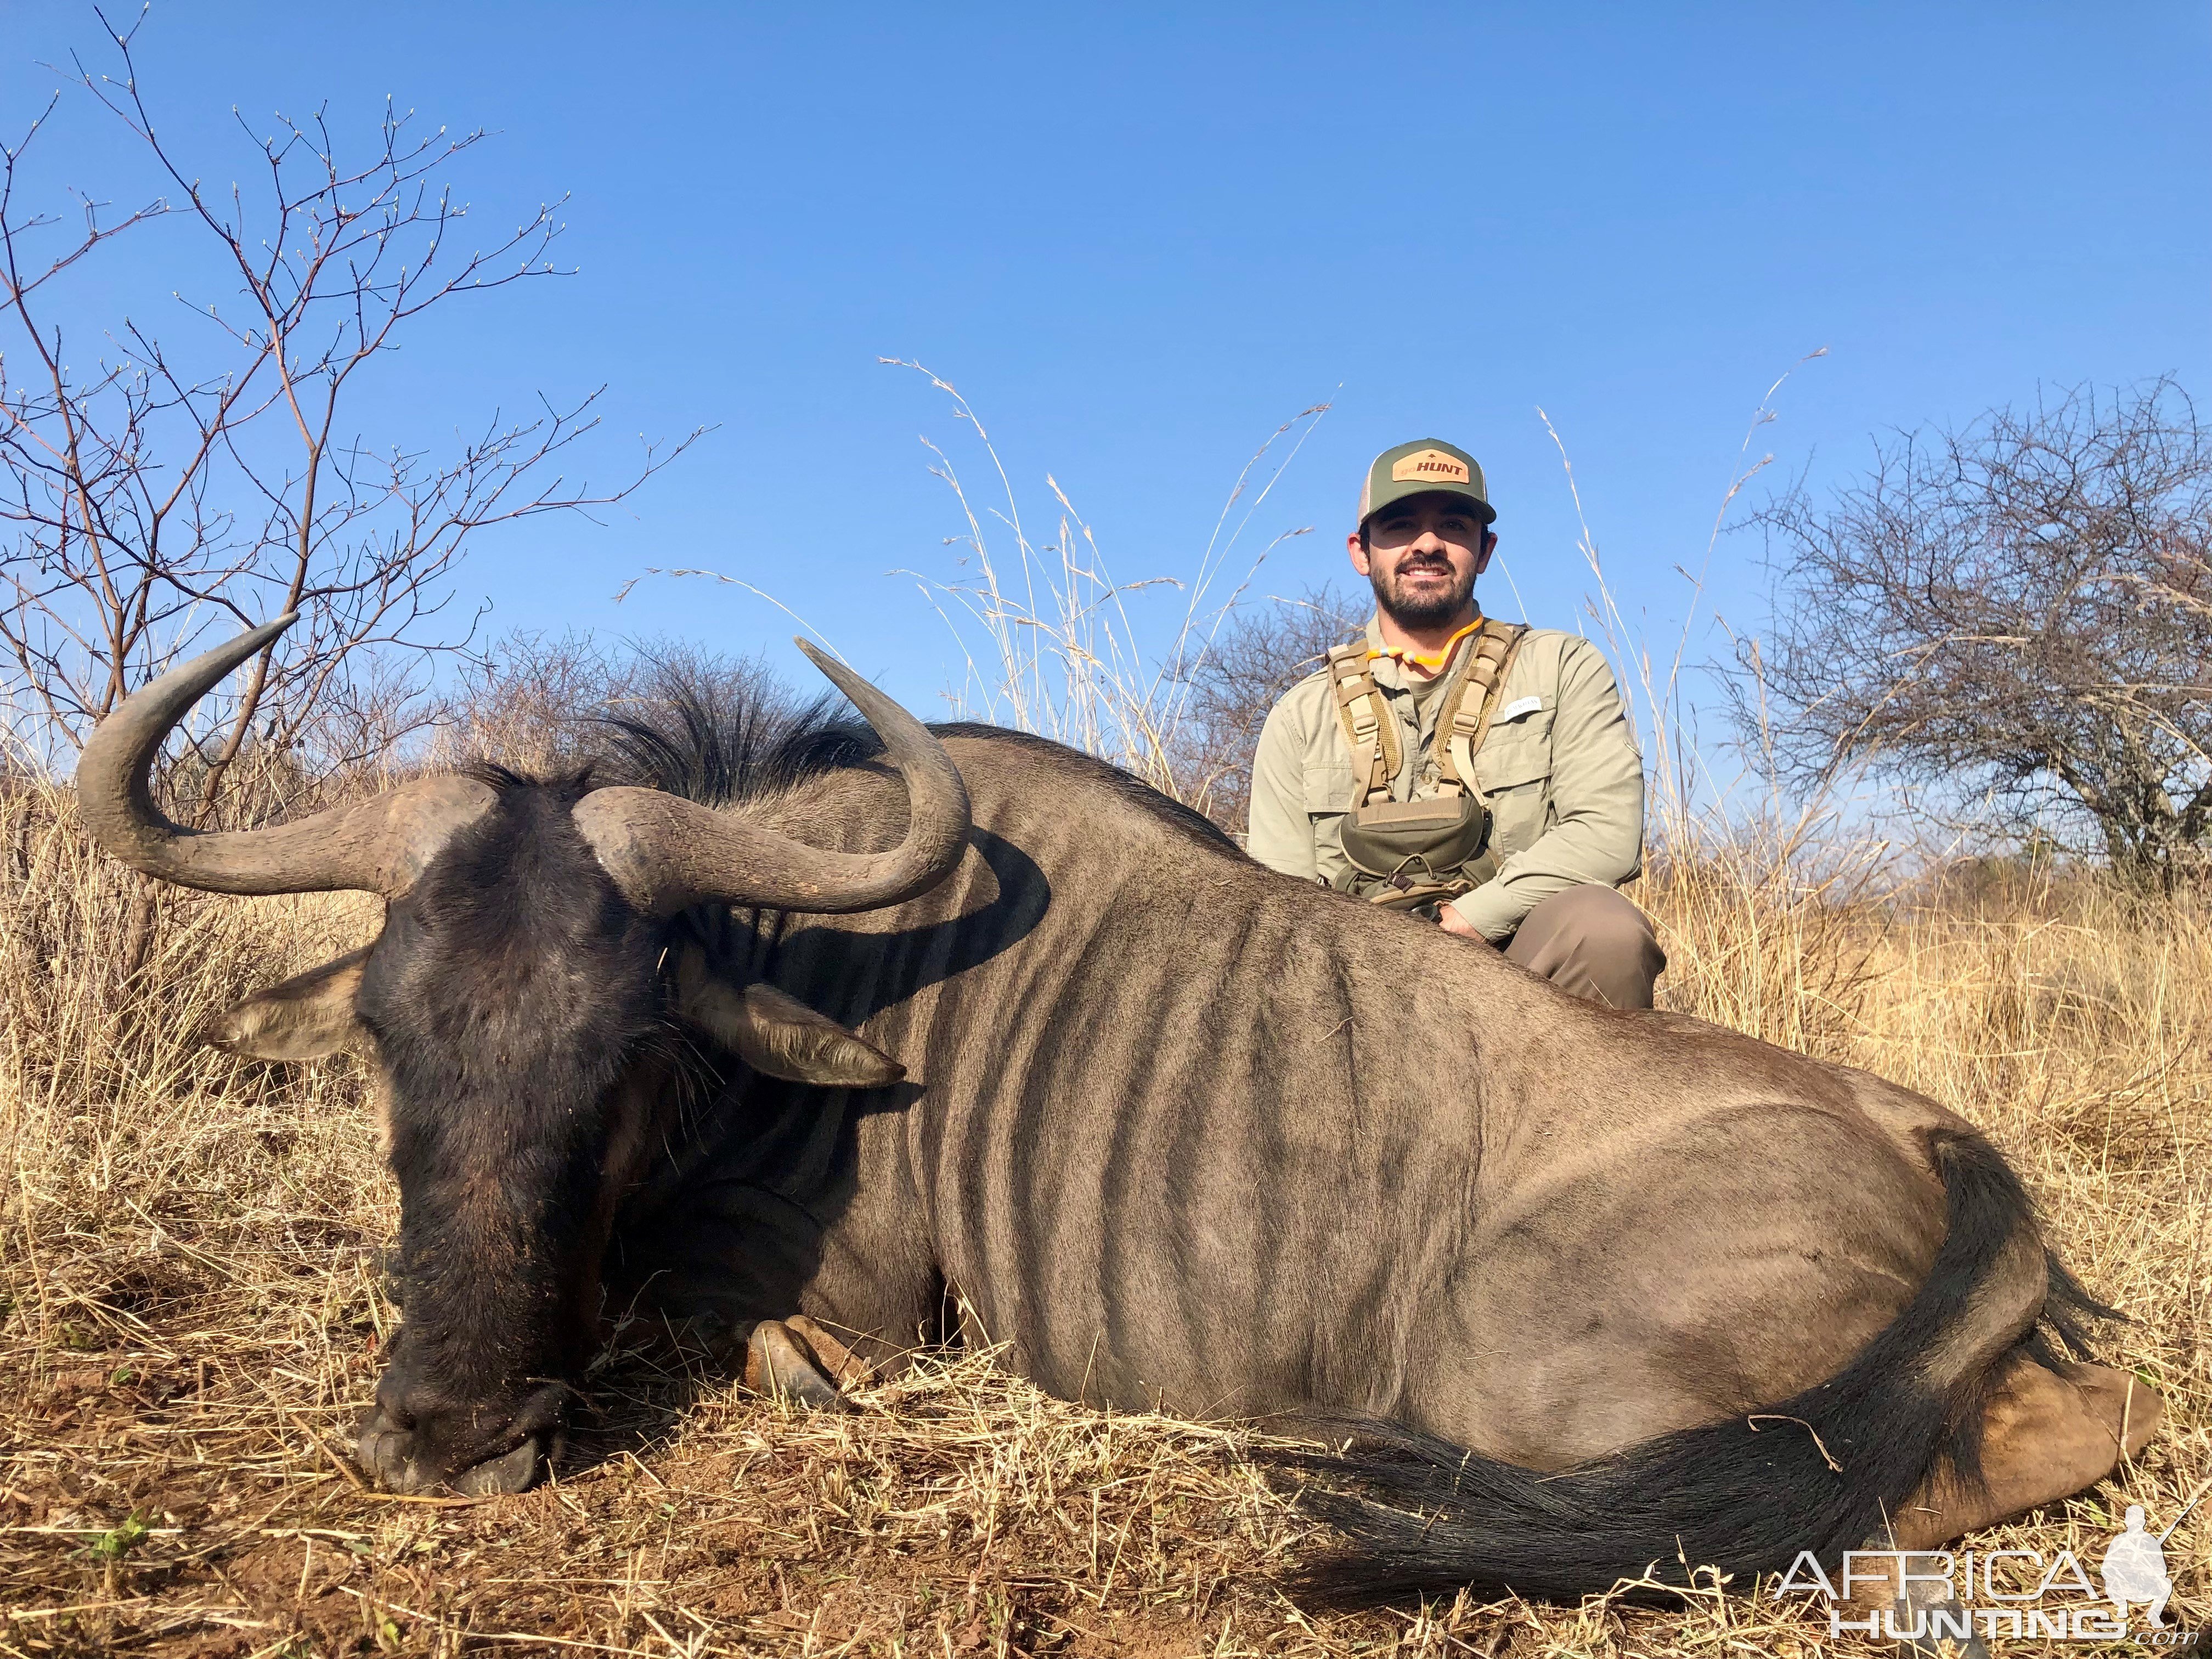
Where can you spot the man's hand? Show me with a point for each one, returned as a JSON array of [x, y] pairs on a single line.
[[1452, 922]]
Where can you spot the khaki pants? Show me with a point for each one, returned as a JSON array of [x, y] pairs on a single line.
[[1593, 943]]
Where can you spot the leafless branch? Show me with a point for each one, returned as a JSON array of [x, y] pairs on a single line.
[[152, 490]]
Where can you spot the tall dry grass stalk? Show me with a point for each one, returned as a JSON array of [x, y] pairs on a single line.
[[1657, 684], [1050, 643]]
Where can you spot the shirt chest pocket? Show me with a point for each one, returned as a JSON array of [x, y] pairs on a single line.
[[1515, 768]]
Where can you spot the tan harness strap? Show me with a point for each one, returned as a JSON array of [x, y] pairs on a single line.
[[1369, 726], [1469, 705]]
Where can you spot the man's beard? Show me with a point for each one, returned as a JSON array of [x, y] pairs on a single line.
[[1431, 609]]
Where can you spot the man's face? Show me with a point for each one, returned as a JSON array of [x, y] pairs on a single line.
[[1423, 555]]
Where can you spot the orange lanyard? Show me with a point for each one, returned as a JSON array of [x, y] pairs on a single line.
[[1420, 660]]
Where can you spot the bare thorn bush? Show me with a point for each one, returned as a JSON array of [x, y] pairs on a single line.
[[1266, 647], [2015, 617], [163, 485]]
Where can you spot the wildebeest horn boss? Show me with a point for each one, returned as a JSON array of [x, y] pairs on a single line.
[[1587, 1291]]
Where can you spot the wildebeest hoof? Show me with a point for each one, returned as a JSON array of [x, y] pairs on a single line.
[[777, 1363]]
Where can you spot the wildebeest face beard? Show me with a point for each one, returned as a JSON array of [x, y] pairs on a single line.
[[508, 994]]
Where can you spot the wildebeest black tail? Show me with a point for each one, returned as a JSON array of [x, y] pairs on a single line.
[[1820, 1472]]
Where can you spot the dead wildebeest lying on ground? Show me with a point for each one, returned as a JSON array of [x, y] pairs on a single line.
[[1163, 1132]]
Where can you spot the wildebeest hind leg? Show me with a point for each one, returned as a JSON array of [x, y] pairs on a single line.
[[2046, 1435], [778, 1362]]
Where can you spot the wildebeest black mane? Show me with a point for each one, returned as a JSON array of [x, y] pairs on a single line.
[[573, 784], [718, 742]]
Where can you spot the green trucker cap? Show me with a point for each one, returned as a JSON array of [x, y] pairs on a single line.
[[1425, 466]]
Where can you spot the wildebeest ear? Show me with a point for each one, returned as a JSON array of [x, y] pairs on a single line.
[[783, 1038], [305, 1017]]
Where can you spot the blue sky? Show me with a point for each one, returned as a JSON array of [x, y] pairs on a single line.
[[1138, 238]]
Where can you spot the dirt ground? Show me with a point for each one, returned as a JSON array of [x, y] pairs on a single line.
[[156, 1503]]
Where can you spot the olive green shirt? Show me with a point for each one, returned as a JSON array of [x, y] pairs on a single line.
[[1559, 769]]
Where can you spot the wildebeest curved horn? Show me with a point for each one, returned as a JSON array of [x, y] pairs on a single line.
[[667, 854], [375, 846]]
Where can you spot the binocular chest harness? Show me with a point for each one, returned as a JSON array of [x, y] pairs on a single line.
[[1415, 855]]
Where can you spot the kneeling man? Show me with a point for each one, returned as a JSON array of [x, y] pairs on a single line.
[[1485, 774]]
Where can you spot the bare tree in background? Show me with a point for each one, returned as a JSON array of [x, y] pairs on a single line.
[[159, 492], [1263, 650], [2020, 612]]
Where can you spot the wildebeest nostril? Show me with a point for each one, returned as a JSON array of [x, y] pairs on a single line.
[[515, 1472], [385, 1452]]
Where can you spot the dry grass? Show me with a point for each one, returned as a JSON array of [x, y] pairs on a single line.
[[1051, 642], [190, 1312]]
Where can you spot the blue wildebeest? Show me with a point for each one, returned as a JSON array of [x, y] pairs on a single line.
[[797, 1043]]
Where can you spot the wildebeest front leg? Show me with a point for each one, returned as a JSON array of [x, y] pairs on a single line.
[[847, 1368], [779, 1360]]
